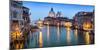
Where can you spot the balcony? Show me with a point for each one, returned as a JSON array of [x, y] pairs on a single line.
[[12, 18]]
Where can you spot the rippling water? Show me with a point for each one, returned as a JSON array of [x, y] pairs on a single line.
[[49, 36]]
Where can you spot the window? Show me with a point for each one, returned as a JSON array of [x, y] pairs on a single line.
[[14, 14]]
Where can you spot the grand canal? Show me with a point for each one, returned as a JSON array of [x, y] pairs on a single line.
[[48, 36]]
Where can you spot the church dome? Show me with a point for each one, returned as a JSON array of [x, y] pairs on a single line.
[[51, 13]]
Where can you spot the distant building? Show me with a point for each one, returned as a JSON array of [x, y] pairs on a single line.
[[83, 17], [59, 14], [53, 16], [54, 19], [51, 13]]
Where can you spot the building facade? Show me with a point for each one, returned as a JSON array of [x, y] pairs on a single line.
[[83, 17], [19, 15], [16, 12], [19, 24], [26, 19]]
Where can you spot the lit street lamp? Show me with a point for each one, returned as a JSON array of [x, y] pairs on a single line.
[[87, 26]]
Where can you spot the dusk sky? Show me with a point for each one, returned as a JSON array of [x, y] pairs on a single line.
[[41, 10]]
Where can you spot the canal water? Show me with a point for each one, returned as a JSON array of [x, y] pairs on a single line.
[[51, 36]]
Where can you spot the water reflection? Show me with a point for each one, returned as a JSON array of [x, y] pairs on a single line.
[[87, 37], [76, 35], [58, 32], [55, 36], [48, 33], [40, 39], [68, 35]]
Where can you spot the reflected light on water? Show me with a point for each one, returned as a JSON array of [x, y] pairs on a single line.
[[48, 32], [76, 35], [68, 35], [87, 37], [40, 39], [19, 45], [58, 32]]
